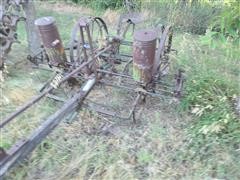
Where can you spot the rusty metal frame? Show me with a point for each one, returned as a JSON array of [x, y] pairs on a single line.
[[93, 66]]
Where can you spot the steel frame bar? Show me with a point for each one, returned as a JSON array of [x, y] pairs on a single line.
[[134, 90], [129, 77]]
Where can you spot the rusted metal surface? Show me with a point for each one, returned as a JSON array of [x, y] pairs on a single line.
[[51, 41], [84, 44], [143, 54]]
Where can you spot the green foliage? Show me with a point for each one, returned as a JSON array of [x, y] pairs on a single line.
[[212, 84], [210, 98], [227, 23], [194, 19], [101, 4], [212, 69], [189, 17]]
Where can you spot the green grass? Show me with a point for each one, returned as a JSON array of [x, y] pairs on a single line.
[[212, 83], [18, 88]]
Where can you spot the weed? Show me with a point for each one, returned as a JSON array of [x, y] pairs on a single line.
[[211, 85]]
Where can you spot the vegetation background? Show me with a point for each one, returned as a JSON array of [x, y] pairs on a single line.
[[198, 139]]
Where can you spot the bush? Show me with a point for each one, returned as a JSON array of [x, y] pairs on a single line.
[[189, 17], [101, 4], [227, 23]]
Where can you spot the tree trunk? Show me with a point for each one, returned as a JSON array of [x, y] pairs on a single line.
[[32, 33]]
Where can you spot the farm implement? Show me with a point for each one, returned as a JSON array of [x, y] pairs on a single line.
[[95, 59]]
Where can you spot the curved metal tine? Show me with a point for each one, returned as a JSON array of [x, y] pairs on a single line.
[[103, 24], [93, 32], [103, 30], [99, 32]]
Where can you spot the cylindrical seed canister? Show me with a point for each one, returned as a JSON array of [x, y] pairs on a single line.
[[51, 41], [144, 46]]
